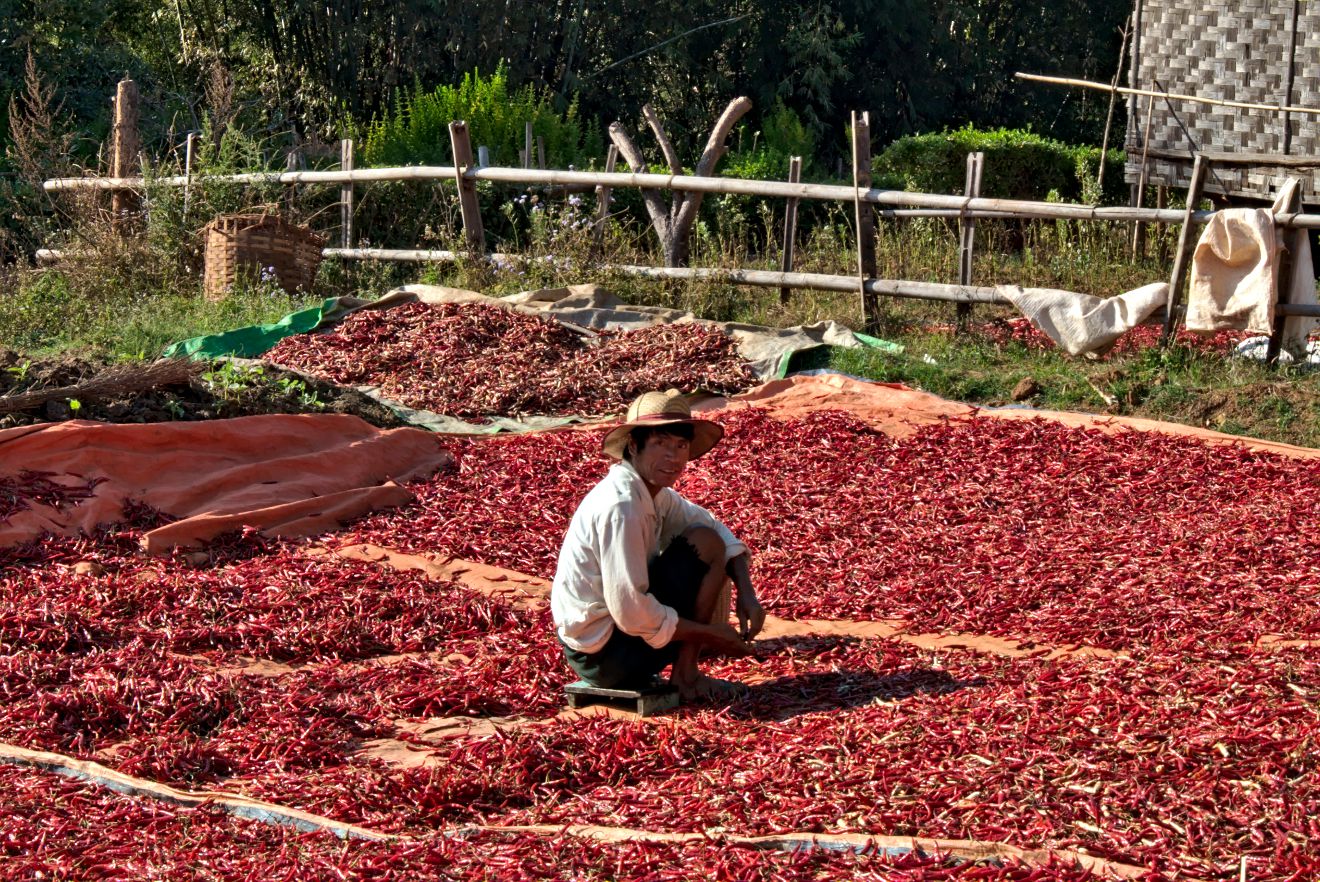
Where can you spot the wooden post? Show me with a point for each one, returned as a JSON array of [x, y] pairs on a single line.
[[1161, 203], [1186, 242], [603, 195], [1109, 117], [527, 145], [483, 155], [540, 152], [865, 214], [790, 226], [187, 173], [1138, 228], [125, 145], [346, 194], [461, 142], [1288, 79], [967, 233], [1134, 77], [294, 162], [1284, 279]]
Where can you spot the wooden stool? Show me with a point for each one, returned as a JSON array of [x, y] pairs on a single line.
[[644, 702]]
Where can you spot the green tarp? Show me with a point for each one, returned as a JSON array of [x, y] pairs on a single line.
[[255, 340]]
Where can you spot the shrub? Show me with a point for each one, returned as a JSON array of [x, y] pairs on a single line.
[[416, 131], [1018, 165]]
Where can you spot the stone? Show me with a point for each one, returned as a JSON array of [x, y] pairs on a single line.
[[1026, 387]]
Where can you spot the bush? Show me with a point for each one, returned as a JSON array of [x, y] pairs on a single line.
[[1018, 165], [416, 132]]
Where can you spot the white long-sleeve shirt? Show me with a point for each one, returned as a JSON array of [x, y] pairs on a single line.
[[601, 580]]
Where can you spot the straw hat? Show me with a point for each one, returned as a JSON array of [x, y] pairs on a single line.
[[663, 409]]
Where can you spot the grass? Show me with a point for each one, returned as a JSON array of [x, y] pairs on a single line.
[[131, 302]]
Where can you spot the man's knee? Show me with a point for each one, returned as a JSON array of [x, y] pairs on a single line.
[[708, 544]]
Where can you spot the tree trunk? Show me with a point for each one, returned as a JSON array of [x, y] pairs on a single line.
[[673, 223]]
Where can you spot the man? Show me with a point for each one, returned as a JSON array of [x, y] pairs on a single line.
[[642, 576]]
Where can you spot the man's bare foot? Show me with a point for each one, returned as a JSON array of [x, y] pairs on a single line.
[[705, 688]]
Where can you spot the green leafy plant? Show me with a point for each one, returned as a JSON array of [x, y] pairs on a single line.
[[416, 130], [1018, 165], [298, 390]]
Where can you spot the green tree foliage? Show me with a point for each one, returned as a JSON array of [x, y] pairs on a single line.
[[320, 65]]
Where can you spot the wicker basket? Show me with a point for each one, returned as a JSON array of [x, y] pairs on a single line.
[[259, 246]]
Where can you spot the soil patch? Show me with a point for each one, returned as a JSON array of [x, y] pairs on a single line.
[[1261, 410], [219, 392]]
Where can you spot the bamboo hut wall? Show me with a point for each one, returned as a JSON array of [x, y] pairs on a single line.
[[1236, 51]]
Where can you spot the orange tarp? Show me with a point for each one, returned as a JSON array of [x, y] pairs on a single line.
[[301, 475], [899, 411], [286, 475]]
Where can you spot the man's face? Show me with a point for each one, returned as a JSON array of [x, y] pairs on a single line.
[[662, 460]]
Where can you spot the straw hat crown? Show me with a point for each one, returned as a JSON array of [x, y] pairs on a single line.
[[662, 409]]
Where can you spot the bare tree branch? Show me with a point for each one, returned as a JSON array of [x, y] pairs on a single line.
[[671, 156], [715, 149], [655, 203]]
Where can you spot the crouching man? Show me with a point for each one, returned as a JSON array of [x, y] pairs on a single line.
[[642, 580]]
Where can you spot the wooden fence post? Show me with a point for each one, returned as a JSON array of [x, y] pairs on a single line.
[[187, 173], [293, 162], [967, 233], [346, 194], [527, 144], [603, 196], [1138, 228], [1284, 280], [790, 226], [865, 214], [125, 145], [1161, 203], [461, 142], [1186, 242]]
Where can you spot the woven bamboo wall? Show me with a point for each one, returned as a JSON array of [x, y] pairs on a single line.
[[1235, 51]]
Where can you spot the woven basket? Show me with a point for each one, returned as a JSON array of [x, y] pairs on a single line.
[[259, 247]]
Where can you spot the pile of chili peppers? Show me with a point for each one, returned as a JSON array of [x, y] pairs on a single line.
[[57, 828], [20, 492], [1017, 528], [265, 669], [1022, 332], [474, 361]]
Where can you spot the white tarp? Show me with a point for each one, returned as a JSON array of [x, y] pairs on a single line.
[[1234, 283], [1084, 323]]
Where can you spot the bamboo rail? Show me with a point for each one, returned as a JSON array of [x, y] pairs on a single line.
[[1179, 96], [948, 206], [756, 278]]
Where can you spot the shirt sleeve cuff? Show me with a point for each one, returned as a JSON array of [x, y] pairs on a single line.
[[662, 635]]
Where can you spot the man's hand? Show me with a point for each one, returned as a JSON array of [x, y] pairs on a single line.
[[751, 617], [723, 639]]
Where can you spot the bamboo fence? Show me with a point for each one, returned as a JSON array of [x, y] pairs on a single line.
[[884, 203]]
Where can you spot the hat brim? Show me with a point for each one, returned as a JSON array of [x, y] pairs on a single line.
[[705, 435]]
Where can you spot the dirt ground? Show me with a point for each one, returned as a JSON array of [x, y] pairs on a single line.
[[216, 392], [1284, 411]]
